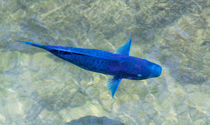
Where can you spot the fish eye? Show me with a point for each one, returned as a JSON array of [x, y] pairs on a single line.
[[139, 75]]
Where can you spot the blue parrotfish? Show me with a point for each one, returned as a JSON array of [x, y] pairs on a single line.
[[118, 65]]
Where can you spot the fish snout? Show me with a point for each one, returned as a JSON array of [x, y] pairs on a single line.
[[156, 70]]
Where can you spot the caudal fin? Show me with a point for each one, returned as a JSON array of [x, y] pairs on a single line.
[[32, 44]]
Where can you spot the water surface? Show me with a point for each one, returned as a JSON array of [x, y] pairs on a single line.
[[37, 88]]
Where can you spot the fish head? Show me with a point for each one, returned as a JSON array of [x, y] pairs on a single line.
[[139, 69], [147, 69], [155, 70]]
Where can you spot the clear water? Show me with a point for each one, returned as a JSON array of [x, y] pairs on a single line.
[[37, 88]]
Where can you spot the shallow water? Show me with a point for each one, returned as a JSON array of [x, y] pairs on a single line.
[[37, 88]]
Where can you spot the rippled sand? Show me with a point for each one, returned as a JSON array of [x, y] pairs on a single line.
[[37, 88]]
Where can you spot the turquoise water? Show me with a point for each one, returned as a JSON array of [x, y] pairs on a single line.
[[37, 88]]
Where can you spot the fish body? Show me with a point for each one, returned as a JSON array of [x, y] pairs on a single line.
[[119, 65]]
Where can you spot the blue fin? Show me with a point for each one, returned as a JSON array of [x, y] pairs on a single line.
[[32, 44], [113, 84], [125, 49]]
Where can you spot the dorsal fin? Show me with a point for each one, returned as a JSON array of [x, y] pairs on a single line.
[[125, 49]]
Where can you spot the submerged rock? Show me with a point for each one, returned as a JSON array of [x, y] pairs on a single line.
[[38, 88], [92, 120]]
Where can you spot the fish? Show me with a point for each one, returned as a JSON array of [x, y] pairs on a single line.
[[117, 65]]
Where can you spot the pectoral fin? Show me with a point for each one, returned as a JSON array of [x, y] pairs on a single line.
[[125, 49], [113, 84]]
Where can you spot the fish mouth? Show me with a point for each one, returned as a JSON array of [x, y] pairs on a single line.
[[158, 70]]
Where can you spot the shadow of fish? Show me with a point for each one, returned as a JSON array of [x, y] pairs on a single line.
[[119, 65]]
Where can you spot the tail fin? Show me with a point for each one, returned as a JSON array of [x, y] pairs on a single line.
[[32, 44]]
